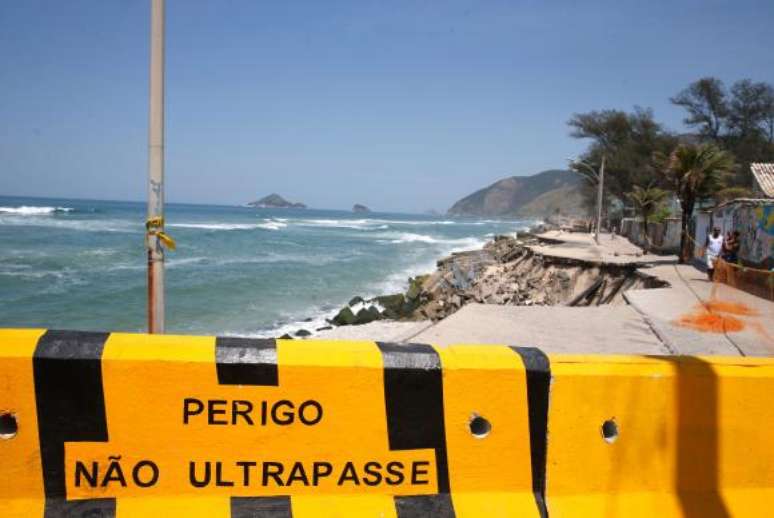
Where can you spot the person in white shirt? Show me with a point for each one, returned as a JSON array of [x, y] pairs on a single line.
[[713, 248]]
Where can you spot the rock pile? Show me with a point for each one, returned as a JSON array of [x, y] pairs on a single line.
[[505, 271], [400, 306]]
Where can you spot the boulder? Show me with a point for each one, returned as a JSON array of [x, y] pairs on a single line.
[[286, 337], [355, 301], [415, 287], [392, 304], [345, 317], [390, 301], [364, 316], [303, 333], [391, 314], [324, 328], [434, 310], [409, 307]]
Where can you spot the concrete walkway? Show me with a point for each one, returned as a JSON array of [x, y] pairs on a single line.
[[669, 320], [612, 249], [746, 322], [554, 329]]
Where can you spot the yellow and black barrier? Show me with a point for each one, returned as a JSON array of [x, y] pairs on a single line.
[[113, 424]]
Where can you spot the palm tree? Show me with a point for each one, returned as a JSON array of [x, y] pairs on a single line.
[[646, 200], [693, 172]]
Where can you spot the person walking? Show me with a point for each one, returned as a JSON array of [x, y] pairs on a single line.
[[731, 247], [714, 247]]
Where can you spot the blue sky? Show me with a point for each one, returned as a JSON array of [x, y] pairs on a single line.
[[403, 106]]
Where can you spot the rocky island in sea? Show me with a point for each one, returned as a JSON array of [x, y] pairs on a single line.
[[275, 201], [360, 208]]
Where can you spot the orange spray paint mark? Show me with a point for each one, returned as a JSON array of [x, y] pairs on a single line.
[[706, 322], [714, 316], [734, 308]]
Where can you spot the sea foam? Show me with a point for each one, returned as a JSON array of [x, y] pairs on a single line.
[[26, 210], [267, 225]]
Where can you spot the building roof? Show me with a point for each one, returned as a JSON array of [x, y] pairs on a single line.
[[755, 202], [764, 176]]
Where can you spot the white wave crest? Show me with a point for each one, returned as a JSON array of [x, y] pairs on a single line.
[[357, 224], [26, 210], [318, 317], [272, 225], [141, 265], [267, 225], [445, 245], [420, 222], [174, 263], [408, 237], [98, 225]]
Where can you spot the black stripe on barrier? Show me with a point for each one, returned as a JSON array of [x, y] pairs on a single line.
[[413, 393], [261, 507], [246, 361], [70, 402], [424, 506], [249, 361], [538, 385]]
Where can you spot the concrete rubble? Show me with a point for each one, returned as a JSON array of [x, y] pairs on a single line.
[[562, 292]]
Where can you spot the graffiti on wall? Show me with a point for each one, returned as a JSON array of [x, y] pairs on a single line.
[[756, 230]]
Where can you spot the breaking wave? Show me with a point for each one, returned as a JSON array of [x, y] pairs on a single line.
[[26, 210], [452, 244], [267, 225]]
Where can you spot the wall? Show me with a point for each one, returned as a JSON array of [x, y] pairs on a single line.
[[755, 223], [128, 425], [700, 225], [662, 237]]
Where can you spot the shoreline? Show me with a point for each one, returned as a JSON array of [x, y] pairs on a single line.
[[396, 319], [547, 266], [236, 272]]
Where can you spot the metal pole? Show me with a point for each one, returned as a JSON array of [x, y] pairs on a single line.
[[156, 170], [599, 197]]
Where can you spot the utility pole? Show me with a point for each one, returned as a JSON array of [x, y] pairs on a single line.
[[599, 177], [600, 195], [155, 222]]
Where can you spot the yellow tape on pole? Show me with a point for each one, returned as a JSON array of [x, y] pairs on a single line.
[[155, 227]]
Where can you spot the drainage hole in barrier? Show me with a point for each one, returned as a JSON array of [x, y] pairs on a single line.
[[8, 426], [610, 431], [480, 427]]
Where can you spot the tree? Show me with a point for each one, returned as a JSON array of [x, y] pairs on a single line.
[[741, 121], [746, 137], [705, 101], [732, 193], [747, 109], [627, 140], [646, 200], [768, 117], [693, 172]]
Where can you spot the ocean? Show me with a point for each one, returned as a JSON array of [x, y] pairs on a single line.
[[81, 264]]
